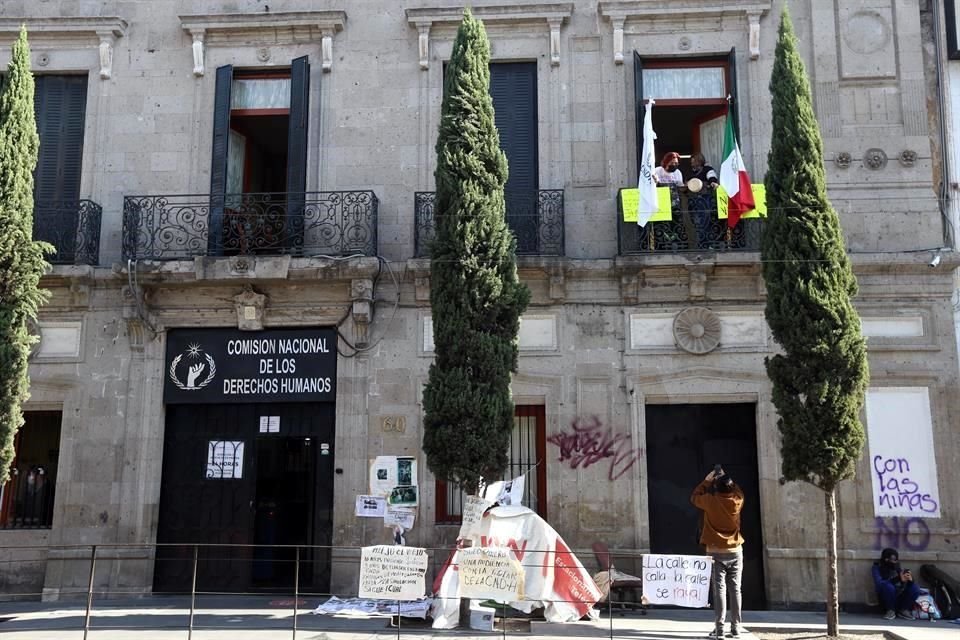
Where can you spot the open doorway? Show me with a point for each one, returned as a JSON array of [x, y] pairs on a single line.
[[684, 441], [285, 487]]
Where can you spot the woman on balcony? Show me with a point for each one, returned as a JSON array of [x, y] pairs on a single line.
[[702, 199], [668, 173]]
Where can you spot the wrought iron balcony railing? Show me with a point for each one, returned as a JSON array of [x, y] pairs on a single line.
[[694, 227], [72, 227], [179, 227], [536, 221]]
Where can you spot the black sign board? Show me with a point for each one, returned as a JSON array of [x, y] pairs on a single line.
[[231, 366]]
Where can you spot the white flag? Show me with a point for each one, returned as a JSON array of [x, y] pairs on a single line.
[[647, 202]]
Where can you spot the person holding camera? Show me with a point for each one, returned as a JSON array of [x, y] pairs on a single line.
[[895, 586], [721, 501]]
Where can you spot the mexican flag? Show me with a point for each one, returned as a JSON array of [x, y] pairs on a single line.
[[734, 178]]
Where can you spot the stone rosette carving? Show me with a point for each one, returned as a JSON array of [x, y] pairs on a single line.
[[843, 159], [684, 44], [875, 158], [697, 330], [908, 157]]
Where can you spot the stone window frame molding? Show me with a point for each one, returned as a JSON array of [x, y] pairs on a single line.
[[554, 14], [72, 32], [235, 30], [619, 12]]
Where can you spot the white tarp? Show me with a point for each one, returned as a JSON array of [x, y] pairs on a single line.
[[553, 577], [364, 608]]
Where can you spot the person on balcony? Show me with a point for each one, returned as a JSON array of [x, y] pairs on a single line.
[[668, 173], [703, 172], [702, 199]]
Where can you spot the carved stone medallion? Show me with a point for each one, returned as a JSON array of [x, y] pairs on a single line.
[[697, 330]]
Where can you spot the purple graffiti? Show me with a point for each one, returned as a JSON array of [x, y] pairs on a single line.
[[589, 443], [910, 533], [897, 489]]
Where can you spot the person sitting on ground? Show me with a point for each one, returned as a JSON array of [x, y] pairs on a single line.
[[895, 586]]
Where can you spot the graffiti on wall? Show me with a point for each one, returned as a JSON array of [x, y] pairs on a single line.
[[899, 490], [912, 534], [588, 442]]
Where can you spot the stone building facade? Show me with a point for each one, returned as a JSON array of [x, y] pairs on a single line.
[[308, 131]]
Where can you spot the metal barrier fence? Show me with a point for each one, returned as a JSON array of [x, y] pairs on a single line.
[[97, 561]]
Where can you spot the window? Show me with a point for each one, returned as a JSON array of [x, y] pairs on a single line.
[[60, 106], [691, 104], [258, 169], [26, 500], [527, 455]]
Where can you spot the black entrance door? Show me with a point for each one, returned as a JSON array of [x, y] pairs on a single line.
[[273, 486], [683, 443]]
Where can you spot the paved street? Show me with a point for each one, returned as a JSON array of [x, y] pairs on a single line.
[[262, 618]]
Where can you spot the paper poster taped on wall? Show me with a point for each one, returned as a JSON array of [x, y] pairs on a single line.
[[389, 472]]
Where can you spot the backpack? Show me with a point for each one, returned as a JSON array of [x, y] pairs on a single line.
[[925, 608], [945, 590]]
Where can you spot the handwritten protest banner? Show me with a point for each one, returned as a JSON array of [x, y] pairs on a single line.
[[473, 508], [678, 580], [392, 573], [904, 468], [490, 573]]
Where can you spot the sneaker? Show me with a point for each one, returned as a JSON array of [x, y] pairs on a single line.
[[734, 632], [890, 614], [716, 634], [905, 614]]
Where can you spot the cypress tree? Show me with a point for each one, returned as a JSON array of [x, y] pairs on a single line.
[[476, 297], [820, 378], [21, 259]]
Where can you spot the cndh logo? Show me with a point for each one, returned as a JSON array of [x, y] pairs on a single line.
[[197, 362]]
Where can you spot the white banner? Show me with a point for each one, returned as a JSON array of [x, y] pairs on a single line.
[[902, 463], [683, 581], [392, 573]]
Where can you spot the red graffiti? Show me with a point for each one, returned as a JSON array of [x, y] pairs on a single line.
[[519, 550], [590, 443]]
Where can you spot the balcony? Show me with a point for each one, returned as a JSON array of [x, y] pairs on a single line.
[[538, 226], [694, 227], [181, 227], [72, 227]]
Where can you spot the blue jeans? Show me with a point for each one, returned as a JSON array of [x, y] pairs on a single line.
[[890, 600], [727, 568]]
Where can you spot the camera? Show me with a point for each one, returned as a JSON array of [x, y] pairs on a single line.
[[717, 469]]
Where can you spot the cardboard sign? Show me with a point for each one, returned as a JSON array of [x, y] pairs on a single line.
[[630, 200], [490, 573], [683, 581], [759, 198], [472, 510], [392, 573]]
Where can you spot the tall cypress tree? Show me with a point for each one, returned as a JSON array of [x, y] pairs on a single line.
[[21, 259], [476, 297], [821, 376]]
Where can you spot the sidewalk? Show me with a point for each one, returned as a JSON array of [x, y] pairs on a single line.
[[271, 618]]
